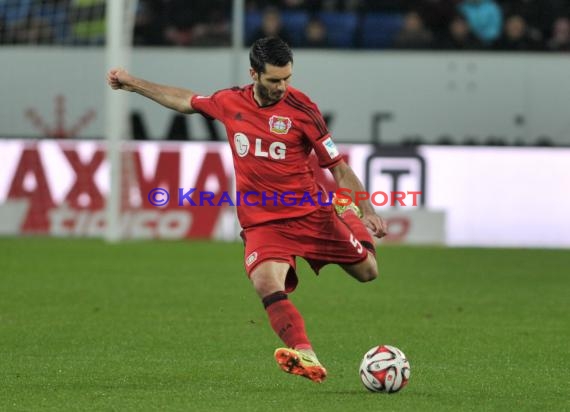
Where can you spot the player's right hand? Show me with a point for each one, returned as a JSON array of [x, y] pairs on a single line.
[[376, 224], [118, 79]]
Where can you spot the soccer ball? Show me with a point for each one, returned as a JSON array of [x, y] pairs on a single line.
[[384, 369]]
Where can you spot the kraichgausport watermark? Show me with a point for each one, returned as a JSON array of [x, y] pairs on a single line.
[[192, 197]]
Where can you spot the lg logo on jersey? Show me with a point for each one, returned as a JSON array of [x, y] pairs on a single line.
[[276, 150]]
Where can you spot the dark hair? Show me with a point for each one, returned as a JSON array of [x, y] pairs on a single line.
[[269, 50]]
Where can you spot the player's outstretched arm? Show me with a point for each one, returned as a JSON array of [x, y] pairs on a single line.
[[346, 178], [171, 97]]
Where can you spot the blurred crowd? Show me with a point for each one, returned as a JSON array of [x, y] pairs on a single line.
[[518, 25]]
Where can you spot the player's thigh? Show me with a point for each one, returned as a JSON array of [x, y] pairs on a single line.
[[269, 277]]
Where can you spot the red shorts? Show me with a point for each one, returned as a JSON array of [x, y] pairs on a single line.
[[320, 237]]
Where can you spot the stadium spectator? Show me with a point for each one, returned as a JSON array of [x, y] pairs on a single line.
[[196, 23], [55, 15], [413, 34], [12, 14], [315, 35], [149, 24], [32, 30], [560, 40], [27, 22], [459, 36], [272, 157], [518, 36], [531, 10], [179, 21], [436, 14], [213, 27], [208, 23], [539, 14], [271, 26], [484, 17]]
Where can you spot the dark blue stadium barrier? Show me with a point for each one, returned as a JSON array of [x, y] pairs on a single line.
[[341, 28], [378, 30]]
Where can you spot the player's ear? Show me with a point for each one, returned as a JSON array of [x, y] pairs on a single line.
[[253, 74]]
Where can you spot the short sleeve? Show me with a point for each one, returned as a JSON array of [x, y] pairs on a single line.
[[209, 106], [326, 151], [316, 131]]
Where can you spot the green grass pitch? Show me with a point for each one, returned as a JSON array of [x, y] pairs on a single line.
[[176, 326]]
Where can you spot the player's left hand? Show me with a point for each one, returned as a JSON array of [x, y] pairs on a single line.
[[376, 224]]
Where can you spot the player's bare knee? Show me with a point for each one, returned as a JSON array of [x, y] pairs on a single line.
[[370, 271], [367, 274], [264, 285], [269, 278], [371, 274]]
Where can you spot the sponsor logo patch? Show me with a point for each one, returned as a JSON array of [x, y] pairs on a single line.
[[241, 143]]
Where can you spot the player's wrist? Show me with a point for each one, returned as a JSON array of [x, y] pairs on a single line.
[[134, 84], [366, 209]]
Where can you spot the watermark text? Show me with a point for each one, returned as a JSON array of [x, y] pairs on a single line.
[[342, 196]]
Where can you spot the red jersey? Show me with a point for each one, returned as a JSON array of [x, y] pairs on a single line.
[[271, 147]]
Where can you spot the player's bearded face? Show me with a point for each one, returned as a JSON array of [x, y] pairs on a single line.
[[270, 86], [266, 94]]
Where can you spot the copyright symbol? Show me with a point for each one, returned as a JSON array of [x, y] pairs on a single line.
[[158, 196]]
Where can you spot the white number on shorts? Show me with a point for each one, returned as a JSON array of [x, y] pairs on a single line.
[[356, 243]]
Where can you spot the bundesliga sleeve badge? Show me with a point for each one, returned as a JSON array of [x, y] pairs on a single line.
[[331, 147]]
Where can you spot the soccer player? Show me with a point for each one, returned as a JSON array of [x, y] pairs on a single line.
[[272, 129]]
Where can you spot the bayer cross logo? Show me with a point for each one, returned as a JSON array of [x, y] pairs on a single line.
[[279, 124], [60, 130], [241, 143]]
